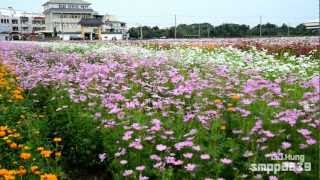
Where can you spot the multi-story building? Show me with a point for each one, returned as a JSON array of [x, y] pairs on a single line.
[[17, 24], [113, 29], [67, 19], [63, 17]]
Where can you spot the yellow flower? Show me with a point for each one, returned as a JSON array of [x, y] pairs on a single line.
[[57, 154], [48, 177], [57, 139], [231, 109], [26, 148], [8, 142], [46, 153], [25, 156], [3, 128], [217, 101]]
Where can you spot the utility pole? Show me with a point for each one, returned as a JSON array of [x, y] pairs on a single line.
[[199, 30], [288, 30], [175, 26], [260, 26], [141, 33], [214, 30], [208, 28]]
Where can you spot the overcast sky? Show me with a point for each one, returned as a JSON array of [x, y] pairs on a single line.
[[161, 12]]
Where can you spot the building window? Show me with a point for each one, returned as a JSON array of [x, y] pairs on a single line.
[[14, 21], [62, 6], [5, 21], [25, 28], [15, 28]]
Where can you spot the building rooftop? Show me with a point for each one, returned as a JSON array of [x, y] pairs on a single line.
[[12, 12], [65, 10], [91, 22], [67, 2], [111, 22]]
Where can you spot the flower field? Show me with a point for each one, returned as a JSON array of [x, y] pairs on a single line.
[[137, 111]]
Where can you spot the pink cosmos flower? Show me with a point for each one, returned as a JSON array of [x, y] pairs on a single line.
[[140, 168], [304, 132], [188, 155], [285, 145], [127, 173], [226, 161], [143, 177], [205, 156], [311, 141], [155, 157], [190, 167], [161, 147], [273, 178]]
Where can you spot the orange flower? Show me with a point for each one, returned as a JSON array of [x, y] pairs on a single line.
[[25, 156], [2, 134], [39, 149], [13, 146], [235, 97], [22, 171], [46, 153], [48, 177], [3, 172], [34, 169], [9, 177]]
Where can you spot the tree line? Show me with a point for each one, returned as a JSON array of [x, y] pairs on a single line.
[[205, 30]]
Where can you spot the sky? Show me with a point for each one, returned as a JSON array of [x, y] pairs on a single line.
[[161, 12]]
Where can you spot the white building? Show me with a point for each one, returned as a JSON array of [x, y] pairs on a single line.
[[315, 24], [63, 17], [17, 24], [114, 29]]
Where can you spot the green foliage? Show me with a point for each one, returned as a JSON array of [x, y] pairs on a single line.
[[224, 30]]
